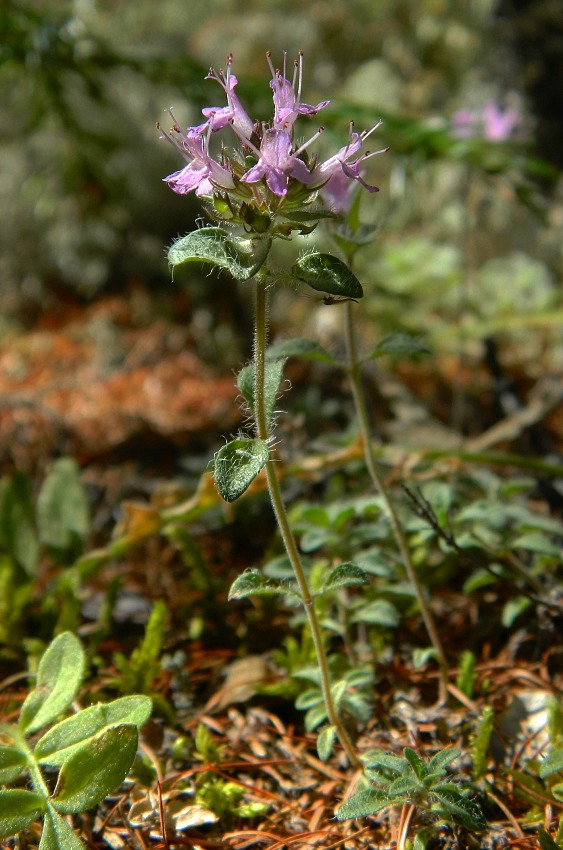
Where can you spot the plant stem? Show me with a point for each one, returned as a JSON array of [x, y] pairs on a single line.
[[354, 372], [263, 433]]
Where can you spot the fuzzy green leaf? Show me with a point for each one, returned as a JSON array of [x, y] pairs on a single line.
[[400, 345], [363, 804], [443, 758], [325, 742], [62, 511], [62, 740], [58, 834], [416, 762], [273, 375], [253, 583], [306, 349], [59, 676], [12, 762], [237, 464], [95, 769], [463, 810], [18, 809], [240, 257], [326, 273], [344, 575]]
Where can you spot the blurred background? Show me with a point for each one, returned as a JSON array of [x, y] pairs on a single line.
[[470, 212]]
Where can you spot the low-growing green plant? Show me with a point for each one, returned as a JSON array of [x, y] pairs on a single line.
[[411, 782], [89, 752], [55, 524]]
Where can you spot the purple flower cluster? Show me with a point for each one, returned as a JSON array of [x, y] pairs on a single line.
[[266, 169]]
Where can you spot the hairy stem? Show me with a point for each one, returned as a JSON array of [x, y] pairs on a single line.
[[379, 484], [263, 433]]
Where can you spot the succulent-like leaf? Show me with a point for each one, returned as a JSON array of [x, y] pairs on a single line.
[[240, 257], [95, 769], [237, 464], [326, 273], [61, 741], [58, 679], [18, 809], [58, 834], [12, 762], [273, 375], [253, 583], [325, 742], [344, 575], [363, 804], [306, 349]]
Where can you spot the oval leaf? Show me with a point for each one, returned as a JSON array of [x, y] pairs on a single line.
[[363, 804], [273, 374], [96, 769], [325, 742], [241, 257], [400, 344], [237, 464], [253, 583], [306, 349], [62, 511], [58, 679], [18, 809], [58, 834], [326, 273], [60, 742], [12, 762], [344, 575]]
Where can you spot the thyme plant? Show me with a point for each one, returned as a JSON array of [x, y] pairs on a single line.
[[267, 187]]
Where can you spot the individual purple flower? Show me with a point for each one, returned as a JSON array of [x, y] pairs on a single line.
[[490, 122], [202, 173], [499, 125], [234, 112], [342, 162], [277, 163], [287, 99]]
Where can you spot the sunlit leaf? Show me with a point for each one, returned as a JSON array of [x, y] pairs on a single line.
[[58, 834], [95, 769], [325, 742], [62, 740], [12, 762], [253, 583], [18, 809], [59, 676], [363, 804]]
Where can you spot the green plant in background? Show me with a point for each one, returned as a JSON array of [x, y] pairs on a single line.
[[223, 798], [56, 524], [414, 784], [91, 751]]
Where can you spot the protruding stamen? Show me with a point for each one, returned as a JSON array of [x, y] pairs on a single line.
[[270, 63], [314, 138], [365, 133], [300, 77]]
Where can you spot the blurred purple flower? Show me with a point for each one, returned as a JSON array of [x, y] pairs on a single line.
[[491, 123]]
